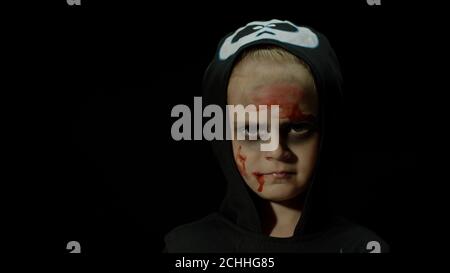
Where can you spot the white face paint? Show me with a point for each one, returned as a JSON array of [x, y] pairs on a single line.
[[283, 31]]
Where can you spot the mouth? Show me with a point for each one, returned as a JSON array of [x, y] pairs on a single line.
[[276, 177], [278, 174], [282, 174]]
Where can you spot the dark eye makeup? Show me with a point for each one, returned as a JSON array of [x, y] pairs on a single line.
[[298, 129], [302, 128]]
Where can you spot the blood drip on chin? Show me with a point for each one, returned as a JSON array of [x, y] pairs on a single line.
[[260, 179]]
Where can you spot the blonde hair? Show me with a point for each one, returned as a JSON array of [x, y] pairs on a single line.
[[271, 52]]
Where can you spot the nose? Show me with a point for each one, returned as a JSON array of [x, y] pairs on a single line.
[[281, 153]]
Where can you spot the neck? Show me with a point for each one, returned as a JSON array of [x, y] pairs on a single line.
[[281, 218]]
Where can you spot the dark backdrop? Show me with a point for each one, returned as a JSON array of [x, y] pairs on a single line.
[[107, 74]]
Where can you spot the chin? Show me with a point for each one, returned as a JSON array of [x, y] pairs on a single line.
[[279, 192]]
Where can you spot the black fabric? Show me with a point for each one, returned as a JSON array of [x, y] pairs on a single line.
[[236, 227]]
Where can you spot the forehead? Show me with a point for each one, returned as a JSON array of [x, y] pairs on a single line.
[[260, 81]]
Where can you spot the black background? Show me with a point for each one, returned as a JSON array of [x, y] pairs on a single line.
[[97, 83]]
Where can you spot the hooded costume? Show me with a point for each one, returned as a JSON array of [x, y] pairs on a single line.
[[236, 227]]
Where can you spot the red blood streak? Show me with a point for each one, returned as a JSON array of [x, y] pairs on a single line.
[[288, 97], [260, 178], [241, 159]]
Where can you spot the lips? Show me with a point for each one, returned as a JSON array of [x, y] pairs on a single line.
[[279, 174], [282, 174]]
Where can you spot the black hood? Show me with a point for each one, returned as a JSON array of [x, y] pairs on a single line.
[[314, 49]]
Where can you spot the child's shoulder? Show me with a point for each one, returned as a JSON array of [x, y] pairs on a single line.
[[357, 238], [205, 224]]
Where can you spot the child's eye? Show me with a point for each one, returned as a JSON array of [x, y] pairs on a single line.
[[302, 128], [251, 133], [247, 133]]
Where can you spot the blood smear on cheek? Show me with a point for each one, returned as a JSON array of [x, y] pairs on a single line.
[[241, 161]]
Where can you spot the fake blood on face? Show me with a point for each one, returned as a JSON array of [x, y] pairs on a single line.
[[287, 96], [260, 179], [241, 165], [241, 161]]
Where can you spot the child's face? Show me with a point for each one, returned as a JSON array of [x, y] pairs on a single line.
[[284, 173]]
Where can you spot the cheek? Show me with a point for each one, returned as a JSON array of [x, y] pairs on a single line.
[[247, 160], [246, 157], [307, 154], [241, 158]]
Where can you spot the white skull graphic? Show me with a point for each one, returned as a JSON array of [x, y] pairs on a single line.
[[283, 31]]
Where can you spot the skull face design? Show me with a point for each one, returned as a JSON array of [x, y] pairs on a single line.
[[283, 31]]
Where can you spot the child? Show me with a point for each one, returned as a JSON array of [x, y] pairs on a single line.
[[275, 199]]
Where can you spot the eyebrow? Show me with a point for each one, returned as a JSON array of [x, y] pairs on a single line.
[[308, 118]]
